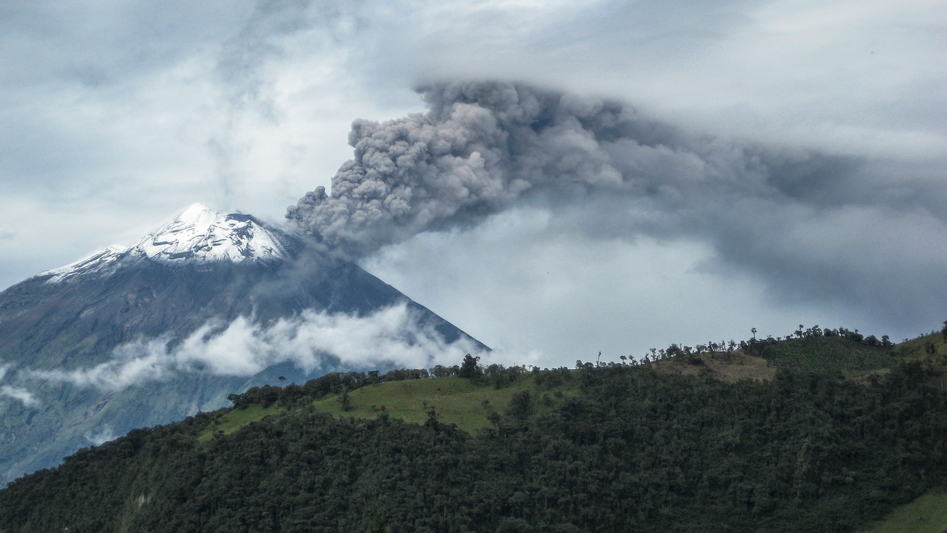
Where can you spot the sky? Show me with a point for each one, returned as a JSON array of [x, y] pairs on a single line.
[[771, 163]]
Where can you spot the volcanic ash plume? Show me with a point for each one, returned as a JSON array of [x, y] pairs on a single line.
[[606, 172], [479, 146]]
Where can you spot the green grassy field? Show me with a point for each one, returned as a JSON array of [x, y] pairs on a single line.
[[237, 418], [454, 400], [927, 514], [827, 355], [917, 344], [919, 349]]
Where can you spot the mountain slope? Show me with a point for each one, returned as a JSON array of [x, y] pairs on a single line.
[[68, 376], [614, 448]]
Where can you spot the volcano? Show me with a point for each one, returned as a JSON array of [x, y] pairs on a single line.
[[67, 379]]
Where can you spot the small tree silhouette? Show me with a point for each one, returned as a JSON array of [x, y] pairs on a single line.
[[345, 400], [470, 369]]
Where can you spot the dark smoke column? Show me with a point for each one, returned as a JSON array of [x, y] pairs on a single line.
[[806, 222], [479, 146]]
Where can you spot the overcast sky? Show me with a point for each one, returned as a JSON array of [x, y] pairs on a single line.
[[118, 115]]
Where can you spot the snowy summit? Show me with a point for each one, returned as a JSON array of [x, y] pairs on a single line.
[[201, 235], [198, 235]]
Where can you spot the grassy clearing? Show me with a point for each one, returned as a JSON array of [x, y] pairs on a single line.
[[920, 349], [455, 400], [828, 355], [237, 418], [916, 348], [730, 367], [927, 514]]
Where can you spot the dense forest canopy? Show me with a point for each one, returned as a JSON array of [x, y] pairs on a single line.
[[826, 444]]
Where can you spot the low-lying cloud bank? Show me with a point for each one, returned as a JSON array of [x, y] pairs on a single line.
[[103, 435], [17, 393], [20, 394], [391, 335]]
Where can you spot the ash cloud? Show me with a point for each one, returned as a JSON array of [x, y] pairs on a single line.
[[391, 335], [479, 147], [485, 146], [816, 226]]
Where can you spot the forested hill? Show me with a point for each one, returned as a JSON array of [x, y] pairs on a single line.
[[813, 434]]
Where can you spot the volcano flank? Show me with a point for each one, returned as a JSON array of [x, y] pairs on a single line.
[[209, 305]]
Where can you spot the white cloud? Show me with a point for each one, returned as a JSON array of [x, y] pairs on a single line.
[[391, 335], [105, 434], [529, 280], [20, 394]]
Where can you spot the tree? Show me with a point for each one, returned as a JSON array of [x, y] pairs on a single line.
[[495, 419], [943, 331], [345, 400], [521, 405], [470, 369], [513, 525], [380, 525]]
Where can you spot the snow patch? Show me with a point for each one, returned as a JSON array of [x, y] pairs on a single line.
[[104, 262]]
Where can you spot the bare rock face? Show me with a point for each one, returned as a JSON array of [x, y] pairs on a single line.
[[203, 268]]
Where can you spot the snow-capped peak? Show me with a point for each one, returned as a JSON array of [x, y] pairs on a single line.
[[198, 235]]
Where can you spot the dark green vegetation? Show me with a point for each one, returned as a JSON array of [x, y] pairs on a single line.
[[609, 448], [826, 355]]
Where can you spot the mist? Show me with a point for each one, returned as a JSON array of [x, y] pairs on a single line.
[[16, 393], [311, 341]]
